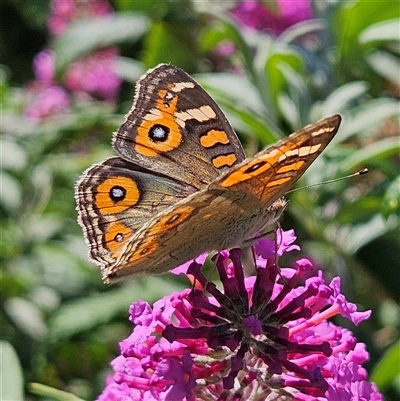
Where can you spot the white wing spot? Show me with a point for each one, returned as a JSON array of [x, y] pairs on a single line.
[[319, 132], [203, 113], [293, 152], [154, 114], [315, 148], [179, 86], [304, 151]]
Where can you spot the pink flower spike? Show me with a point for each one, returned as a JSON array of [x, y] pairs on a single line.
[[182, 269], [262, 337]]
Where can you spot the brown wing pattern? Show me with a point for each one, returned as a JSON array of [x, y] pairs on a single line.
[[272, 172], [174, 126]]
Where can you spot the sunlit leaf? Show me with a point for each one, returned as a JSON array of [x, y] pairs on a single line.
[[391, 200], [388, 368], [51, 393], [128, 69], [367, 117], [86, 313], [340, 99], [385, 30], [85, 36], [27, 317], [381, 149], [12, 385], [385, 64], [352, 238]]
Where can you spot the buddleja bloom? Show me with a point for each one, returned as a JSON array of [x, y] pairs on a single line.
[[272, 17], [93, 75], [265, 337], [63, 12], [44, 98]]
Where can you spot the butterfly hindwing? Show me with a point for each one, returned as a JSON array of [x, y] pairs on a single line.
[[122, 198]]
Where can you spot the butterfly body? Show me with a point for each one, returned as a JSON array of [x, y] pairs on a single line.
[[181, 185]]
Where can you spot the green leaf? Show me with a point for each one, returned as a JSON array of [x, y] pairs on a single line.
[[26, 316], [128, 69], [358, 16], [233, 32], [84, 36], [385, 64], [391, 200], [11, 379], [51, 393], [241, 102], [171, 44], [388, 368], [352, 238], [86, 314], [301, 29], [378, 150], [367, 117], [289, 109], [282, 66], [386, 30], [10, 199], [298, 94], [340, 99], [13, 156]]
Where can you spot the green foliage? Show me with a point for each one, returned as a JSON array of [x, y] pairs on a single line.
[[12, 382], [55, 309]]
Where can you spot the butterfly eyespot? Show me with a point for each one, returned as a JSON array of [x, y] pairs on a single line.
[[255, 167], [159, 133], [117, 193], [119, 237]]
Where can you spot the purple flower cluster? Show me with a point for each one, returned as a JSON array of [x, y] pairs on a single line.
[[272, 17], [262, 337], [63, 12], [93, 75]]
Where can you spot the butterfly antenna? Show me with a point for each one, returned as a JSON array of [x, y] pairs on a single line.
[[360, 172]]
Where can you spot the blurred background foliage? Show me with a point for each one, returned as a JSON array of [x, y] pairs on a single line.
[[67, 76]]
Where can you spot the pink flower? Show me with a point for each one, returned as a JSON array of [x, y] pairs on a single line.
[[264, 337], [44, 66], [63, 12], [279, 16], [45, 100], [94, 75]]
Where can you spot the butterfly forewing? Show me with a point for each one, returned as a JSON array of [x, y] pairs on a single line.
[[272, 172], [176, 127]]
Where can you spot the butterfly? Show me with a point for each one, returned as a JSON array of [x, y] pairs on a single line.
[[181, 184]]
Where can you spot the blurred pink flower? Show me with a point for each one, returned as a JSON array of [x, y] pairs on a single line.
[[63, 12], [43, 66], [92, 75], [95, 75], [45, 101], [272, 17]]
